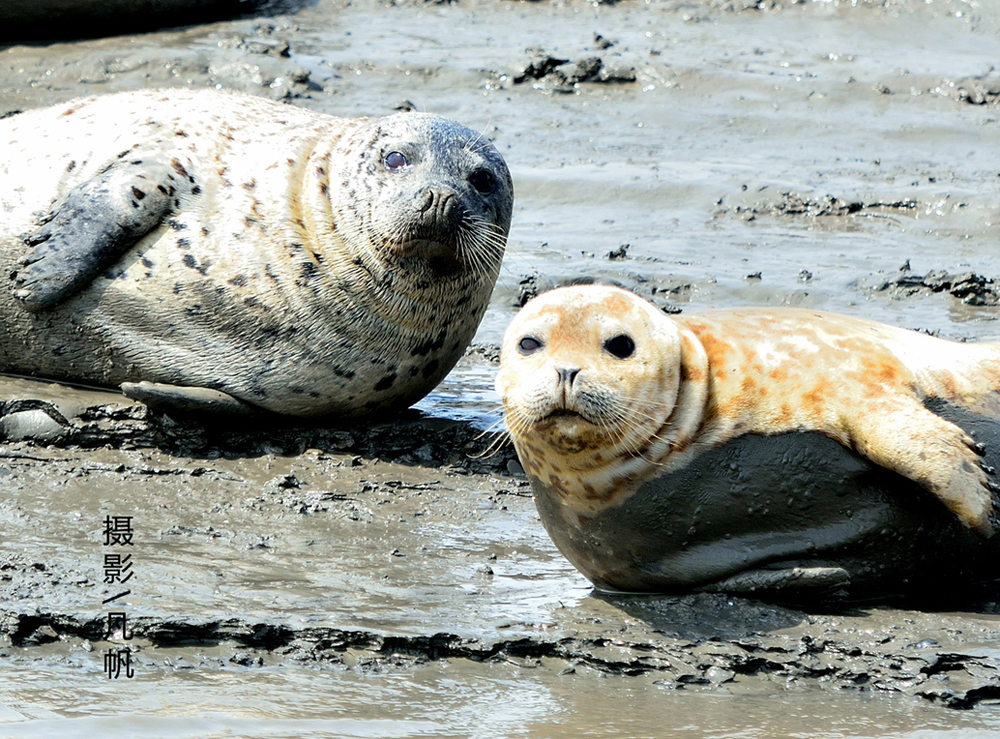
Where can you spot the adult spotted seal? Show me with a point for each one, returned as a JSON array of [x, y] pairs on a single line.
[[211, 250], [751, 450]]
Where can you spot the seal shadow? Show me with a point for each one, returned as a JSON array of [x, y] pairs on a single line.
[[63, 414]]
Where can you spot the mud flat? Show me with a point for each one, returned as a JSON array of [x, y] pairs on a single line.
[[393, 581]]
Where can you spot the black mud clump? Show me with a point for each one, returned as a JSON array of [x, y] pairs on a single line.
[[555, 74], [968, 287], [662, 292], [979, 90], [790, 204]]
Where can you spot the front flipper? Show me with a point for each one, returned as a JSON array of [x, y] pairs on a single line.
[[186, 400], [789, 582], [940, 456], [92, 227]]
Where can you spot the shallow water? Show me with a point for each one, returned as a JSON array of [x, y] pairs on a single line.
[[450, 701], [711, 166]]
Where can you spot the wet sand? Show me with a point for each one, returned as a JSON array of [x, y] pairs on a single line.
[[392, 580]]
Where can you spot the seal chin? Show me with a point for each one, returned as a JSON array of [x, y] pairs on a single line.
[[430, 249], [570, 432]]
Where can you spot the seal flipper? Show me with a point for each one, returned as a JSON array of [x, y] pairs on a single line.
[[791, 581], [91, 227], [186, 400], [937, 454]]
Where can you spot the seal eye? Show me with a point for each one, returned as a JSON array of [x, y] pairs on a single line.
[[620, 346], [395, 161], [529, 345], [483, 181]]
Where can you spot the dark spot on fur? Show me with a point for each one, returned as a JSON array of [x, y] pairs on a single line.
[[135, 204], [270, 273], [385, 383], [239, 281], [345, 373], [137, 193], [190, 261], [323, 188], [178, 288], [71, 166], [195, 190], [426, 347], [181, 133], [147, 262], [430, 368], [178, 167], [184, 244], [58, 351], [309, 271], [204, 231], [251, 185], [124, 153]]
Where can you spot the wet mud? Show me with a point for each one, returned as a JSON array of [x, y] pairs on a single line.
[[394, 579]]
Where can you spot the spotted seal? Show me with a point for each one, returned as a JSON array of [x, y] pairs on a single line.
[[211, 250], [751, 450]]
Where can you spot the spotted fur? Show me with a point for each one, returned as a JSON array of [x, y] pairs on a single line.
[[289, 268]]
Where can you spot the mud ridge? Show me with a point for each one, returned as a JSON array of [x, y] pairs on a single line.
[[968, 287], [792, 204], [953, 679]]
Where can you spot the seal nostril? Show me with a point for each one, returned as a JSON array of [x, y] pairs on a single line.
[[568, 374], [424, 200]]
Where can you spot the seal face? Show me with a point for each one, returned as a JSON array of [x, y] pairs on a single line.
[[726, 449], [179, 242]]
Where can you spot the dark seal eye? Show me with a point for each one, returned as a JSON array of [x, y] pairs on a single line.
[[483, 181], [529, 345], [395, 161], [620, 346]]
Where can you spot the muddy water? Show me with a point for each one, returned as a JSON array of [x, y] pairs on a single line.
[[384, 582]]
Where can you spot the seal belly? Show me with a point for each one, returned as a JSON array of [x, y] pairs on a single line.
[[793, 500]]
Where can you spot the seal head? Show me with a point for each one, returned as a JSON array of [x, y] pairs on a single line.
[[596, 385], [427, 195]]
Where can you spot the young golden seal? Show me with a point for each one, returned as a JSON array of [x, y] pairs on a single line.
[[606, 397], [212, 250]]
